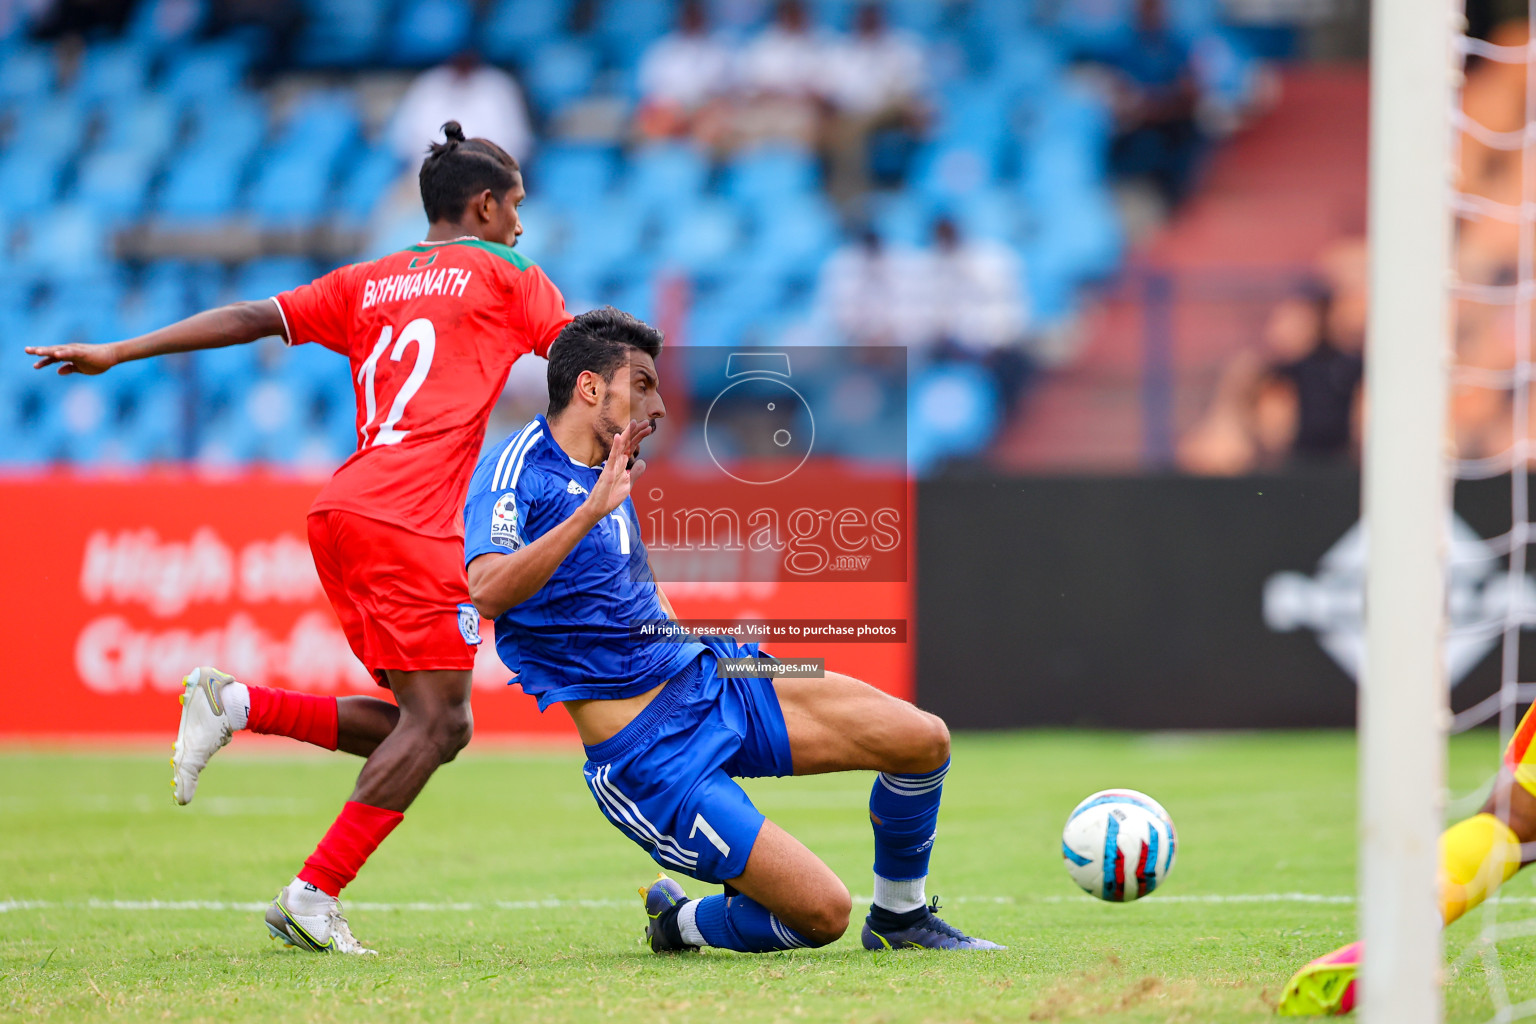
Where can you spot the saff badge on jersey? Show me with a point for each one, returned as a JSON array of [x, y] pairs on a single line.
[[504, 522]]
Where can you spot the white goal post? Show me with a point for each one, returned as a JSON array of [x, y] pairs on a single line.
[[1406, 500]]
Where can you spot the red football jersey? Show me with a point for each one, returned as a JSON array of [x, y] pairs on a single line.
[[431, 332]]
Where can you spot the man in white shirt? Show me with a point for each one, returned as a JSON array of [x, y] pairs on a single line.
[[682, 76], [875, 80], [875, 294], [976, 292], [784, 82], [974, 307], [485, 100], [877, 69]]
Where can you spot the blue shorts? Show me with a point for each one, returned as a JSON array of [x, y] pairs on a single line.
[[667, 779]]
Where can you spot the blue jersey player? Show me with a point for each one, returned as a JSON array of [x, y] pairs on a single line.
[[554, 554]]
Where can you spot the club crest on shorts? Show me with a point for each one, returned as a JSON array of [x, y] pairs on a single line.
[[469, 624], [504, 522]]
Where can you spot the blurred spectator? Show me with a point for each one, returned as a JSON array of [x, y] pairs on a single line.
[[875, 78], [485, 100], [975, 291], [871, 293], [1296, 398], [683, 78], [1157, 136], [976, 309], [957, 301], [784, 81]]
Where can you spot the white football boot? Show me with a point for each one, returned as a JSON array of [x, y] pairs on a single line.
[[205, 728], [306, 918]]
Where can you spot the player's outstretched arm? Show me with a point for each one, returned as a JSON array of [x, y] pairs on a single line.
[[235, 324], [498, 582]]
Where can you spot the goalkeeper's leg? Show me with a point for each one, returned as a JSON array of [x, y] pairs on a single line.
[[1476, 857]]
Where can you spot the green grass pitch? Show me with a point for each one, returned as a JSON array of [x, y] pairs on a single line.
[[506, 896]]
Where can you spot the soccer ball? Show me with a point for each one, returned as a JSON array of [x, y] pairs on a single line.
[[1119, 845]]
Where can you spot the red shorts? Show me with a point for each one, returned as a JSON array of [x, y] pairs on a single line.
[[403, 599]]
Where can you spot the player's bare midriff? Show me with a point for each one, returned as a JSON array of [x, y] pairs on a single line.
[[600, 720]]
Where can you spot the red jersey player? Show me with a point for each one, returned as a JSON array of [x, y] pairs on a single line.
[[431, 333]]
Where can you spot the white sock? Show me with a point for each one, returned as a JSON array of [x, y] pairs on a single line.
[[900, 897], [304, 898], [237, 704], [687, 924]]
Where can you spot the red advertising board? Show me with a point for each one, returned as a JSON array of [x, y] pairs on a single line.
[[114, 588]]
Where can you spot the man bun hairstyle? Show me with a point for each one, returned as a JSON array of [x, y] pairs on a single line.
[[599, 341], [458, 169]]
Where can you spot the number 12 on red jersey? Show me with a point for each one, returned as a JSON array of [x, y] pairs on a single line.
[[419, 331]]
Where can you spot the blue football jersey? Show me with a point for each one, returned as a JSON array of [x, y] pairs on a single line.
[[573, 639]]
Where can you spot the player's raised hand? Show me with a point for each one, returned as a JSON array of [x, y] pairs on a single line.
[[74, 358], [637, 431], [618, 476]]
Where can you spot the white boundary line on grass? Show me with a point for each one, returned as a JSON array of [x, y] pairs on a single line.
[[10, 906]]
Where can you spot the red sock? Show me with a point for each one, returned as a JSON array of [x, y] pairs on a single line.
[[300, 715], [356, 833]]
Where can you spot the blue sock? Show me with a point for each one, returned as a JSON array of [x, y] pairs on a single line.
[[740, 923], [904, 810]]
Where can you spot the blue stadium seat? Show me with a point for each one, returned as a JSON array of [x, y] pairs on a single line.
[[227, 127], [558, 72], [202, 186], [949, 172], [572, 174], [992, 213], [427, 31], [224, 442], [341, 33], [290, 190], [220, 373], [1048, 283], [701, 238], [664, 175], [546, 231], [636, 295], [627, 27], [605, 239], [109, 70], [771, 173], [322, 125], [959, 408], [159, 23], [52, 127], [115, 182], [26, 72], [367, 178], [793, 237], [29, 181], [924, 17], [140, 123], [67, 239], [262, 278], [207, 71], [148, 426], [903, 218], [1079, 234], [1025, 62], [517, 29]]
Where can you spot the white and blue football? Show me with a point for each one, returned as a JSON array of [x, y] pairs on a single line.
[[1119, 845]]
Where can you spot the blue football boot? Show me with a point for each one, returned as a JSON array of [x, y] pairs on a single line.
[[662, 900], [927, 931]]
